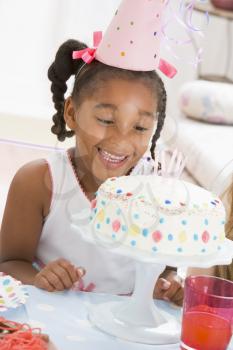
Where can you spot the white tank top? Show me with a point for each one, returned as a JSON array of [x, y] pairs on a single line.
[[105, 271]]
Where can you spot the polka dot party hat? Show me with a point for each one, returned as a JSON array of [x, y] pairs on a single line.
[[133, 38]]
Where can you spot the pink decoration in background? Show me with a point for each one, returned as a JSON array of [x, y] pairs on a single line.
[[116, 225]]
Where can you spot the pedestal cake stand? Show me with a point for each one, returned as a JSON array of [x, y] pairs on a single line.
[[138, 318]]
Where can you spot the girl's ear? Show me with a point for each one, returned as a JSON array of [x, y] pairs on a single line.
[[69, 114]]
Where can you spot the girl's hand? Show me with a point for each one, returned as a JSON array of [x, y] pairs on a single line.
[[170, 289], [58, 275]]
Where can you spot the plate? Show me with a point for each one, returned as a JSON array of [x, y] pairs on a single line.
[[12, 293]]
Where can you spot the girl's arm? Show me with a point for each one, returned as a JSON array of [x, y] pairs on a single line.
[[21, 270], [27, 204]]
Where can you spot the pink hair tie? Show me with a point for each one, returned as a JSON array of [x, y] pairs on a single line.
[[88, 54]]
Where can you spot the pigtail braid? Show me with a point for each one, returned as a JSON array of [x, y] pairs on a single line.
[[162, 102], [59, 72]]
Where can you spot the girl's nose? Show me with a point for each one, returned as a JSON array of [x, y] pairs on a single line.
[[124, 125], [121, 132], [121, 138], [127, 117]]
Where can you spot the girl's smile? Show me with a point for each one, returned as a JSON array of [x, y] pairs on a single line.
[[110, 160]]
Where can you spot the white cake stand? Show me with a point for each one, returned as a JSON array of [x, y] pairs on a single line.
[[138, 319]]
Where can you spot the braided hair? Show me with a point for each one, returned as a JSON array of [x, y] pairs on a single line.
[[87, 79]]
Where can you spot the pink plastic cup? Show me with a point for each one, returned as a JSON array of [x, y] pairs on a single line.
[[207, 314]]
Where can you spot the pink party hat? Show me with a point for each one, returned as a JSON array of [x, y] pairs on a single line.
[[133, 38]]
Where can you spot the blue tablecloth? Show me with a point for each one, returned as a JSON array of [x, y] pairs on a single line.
[[63, 316]]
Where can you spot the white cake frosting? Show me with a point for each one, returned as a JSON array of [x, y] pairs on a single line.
[[158, 215]]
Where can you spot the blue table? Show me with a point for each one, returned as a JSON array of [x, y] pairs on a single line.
[[63, 316]]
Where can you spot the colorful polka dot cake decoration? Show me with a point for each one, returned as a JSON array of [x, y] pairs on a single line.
[[195, 237], [151, 221], [157, 236], [134, 230], [182, 238], [145, 232], [205, 236], [101, 215], [116, 225]]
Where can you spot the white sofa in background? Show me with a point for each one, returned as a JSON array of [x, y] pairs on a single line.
[[208, 148]]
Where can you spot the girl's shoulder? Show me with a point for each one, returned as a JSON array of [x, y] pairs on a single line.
[[37, 171], [33, 181]]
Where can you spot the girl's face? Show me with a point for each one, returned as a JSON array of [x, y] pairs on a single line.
[[113, 127]]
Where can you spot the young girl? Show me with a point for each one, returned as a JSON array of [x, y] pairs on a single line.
[[223, 271], [112, 113]]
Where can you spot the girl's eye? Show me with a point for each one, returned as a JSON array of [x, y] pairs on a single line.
[[140, 128], [105, 121]]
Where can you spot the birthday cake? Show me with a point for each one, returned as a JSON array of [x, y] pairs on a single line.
[[155, 215]]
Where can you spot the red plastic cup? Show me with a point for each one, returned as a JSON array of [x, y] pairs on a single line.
[[207, 313]]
